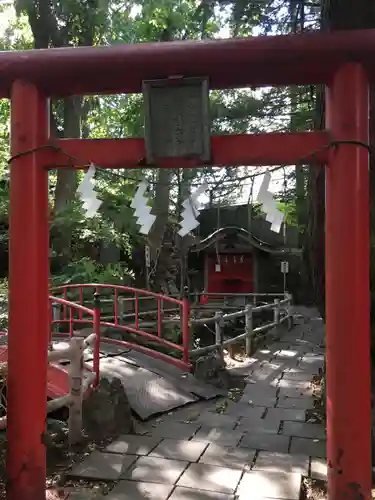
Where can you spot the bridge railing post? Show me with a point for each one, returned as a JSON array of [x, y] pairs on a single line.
[[290, 310], [77, 346], [249, 329], [218, 329], [121, 310], [55, 316], [276, 311], [96, 330]]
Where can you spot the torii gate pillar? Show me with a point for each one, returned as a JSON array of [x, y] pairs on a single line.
[[28, 295], [348, 288]]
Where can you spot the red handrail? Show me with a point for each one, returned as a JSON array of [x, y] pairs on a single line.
[[95, 313], [182, 305], [74, 305], [122, 288]]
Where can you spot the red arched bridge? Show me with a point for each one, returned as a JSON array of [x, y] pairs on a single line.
[[140, 337]]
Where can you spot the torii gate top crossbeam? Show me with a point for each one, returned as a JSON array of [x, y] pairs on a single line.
[[280, 60]]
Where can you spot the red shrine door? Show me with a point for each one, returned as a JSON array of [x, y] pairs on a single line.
[[230, 273]]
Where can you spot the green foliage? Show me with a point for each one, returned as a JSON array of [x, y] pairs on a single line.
[[3, 304], [92, 22], [86, 270], [289, 210], [89, 232]]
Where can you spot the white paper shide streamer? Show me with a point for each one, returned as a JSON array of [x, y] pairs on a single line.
[[265, 197], [86, 191], [141, 209], [190, 212]]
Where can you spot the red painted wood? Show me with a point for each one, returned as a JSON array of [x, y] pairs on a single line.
[[348, 289], [28, 297], [247, 149], [235, 275], [309, 58], [58, 382], [283, 60]]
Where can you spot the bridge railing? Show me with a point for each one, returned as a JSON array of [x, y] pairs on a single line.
[[82, 380], [82, 377], [282, 312], [113, 299], [85, 314]]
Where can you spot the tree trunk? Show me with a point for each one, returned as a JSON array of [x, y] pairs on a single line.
[[48, 32], [66, 183], [160, 209], [314, 240]]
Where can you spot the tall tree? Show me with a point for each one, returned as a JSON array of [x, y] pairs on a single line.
[[60, 24]]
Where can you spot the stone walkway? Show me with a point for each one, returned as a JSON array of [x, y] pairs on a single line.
[[256, 449]]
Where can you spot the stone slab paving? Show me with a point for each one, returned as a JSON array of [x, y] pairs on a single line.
[[311, 447], [180, 450], [295, 403], [79, 494], [245, 410], [278, 414], [258, 448], [131, 490], [304, 430], [318, 468], [294, 392], [260, 485], [211, 478], [259, 394], [216, 420], [176, 430], [155, 470], [218, 436], [103, 466], [260, 426], [282, 462], [266, 442], [228, 456], [181, 493], [296, 385], [132, 444]]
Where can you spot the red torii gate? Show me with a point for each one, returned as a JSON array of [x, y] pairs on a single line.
[[344, 62]]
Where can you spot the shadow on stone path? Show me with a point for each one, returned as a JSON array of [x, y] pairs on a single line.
[[258, 448]]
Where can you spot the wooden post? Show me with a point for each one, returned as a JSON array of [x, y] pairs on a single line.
[[276, 311], [97, 331], [75, 383], [249, 329], [218, 331], [290, 310], [55, 308], [121, 310]]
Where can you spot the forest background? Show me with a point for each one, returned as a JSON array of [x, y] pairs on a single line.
[[78, 244]]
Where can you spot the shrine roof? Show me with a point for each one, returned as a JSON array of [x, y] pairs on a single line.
[[246, 237]]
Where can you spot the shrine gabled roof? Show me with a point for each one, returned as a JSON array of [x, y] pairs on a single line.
[[245, 236], [245, 217]]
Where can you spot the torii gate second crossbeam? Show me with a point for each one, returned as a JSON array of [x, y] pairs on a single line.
[[31, 77]]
